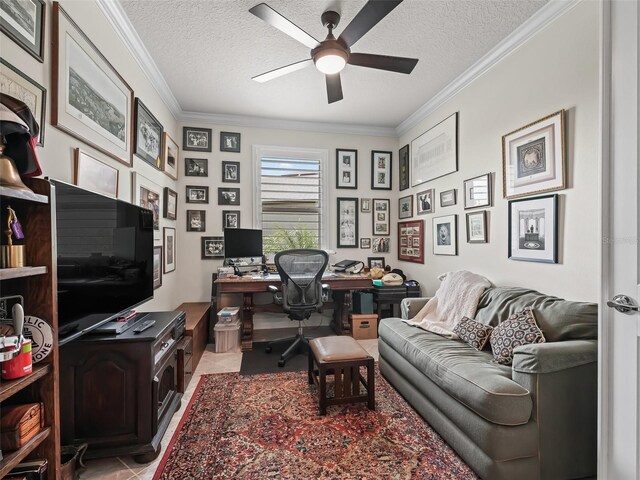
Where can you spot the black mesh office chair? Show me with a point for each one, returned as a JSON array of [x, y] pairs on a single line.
[[301, 274]]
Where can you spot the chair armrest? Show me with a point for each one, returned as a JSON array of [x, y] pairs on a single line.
[[554, 356], [273, 288], [412, 305]]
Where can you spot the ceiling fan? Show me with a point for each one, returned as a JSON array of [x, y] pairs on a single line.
[[331, 55]]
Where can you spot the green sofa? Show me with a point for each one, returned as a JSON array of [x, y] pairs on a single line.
[[536, 419]]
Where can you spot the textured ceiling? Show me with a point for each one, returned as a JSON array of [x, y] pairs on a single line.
[[208, 50]]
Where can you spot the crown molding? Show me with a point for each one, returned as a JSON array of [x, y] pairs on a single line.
[[281, 124], [116, 15], [547, 14]]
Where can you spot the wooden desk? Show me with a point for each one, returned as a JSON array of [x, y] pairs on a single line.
[[341, 285]]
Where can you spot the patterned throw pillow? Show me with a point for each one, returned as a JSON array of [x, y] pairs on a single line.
[[519, 329], [474, 333]]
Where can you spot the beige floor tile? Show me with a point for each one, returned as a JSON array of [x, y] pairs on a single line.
[[106, 469]]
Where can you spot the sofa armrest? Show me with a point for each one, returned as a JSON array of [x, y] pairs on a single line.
[[554, 356], [412, 305]]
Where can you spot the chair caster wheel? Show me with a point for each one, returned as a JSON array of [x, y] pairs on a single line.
[[268, 349], [281, 363]]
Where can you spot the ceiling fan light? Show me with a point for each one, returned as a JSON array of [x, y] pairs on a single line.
[[330, 61]]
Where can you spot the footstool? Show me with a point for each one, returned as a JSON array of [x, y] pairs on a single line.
[[342, 357]]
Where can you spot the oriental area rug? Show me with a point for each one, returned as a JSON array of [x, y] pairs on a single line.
[[267, 427]]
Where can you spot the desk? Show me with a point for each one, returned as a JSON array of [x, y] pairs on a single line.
[[341, 285]]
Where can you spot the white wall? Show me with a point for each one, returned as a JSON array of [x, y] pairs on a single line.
[[56, 157], [556, 69]]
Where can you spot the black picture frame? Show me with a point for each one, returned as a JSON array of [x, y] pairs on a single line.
[[231, 219], [196, 221], [35, 48], [230, 172], [484, 235], [170, 208], [230, 142], [211, 248], [228, 196], [381, 224], [377, 260], [197, 194], [158, 260], [347, 222], [196, 167], [550, 205], [405, 207], [448, 202], [365, 243], [195, 139], [478, 192], [169, 247], [142, 114], [346, 168], [404, 162], [381, 174]]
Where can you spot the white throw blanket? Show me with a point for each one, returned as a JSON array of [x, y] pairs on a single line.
[[457, 297]]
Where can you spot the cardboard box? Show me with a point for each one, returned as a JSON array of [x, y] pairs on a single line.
[[364, 327]]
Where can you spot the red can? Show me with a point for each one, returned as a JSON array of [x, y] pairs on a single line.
[[20, 365]]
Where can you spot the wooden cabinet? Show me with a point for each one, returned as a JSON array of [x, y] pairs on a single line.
[[185, 363], [37, 283], [197, 326]]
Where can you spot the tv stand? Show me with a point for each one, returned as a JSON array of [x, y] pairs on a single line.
[[121, 391]]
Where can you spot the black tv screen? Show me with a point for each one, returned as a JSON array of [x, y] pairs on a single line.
[[242, 242], [105, 257]]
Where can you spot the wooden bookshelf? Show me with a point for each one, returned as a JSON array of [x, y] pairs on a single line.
[[11, 387], [12, 193], [12, 459], [20, 272]]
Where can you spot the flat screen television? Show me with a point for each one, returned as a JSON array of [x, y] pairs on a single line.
[[242, 243], [105, 258]]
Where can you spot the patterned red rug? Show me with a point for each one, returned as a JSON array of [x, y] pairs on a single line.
[[267, 426]]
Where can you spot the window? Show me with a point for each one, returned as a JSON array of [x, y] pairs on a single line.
[[290, 195]]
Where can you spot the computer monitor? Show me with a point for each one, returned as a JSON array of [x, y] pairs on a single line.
[[242, 243]]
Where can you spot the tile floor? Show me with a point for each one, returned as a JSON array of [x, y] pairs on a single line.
[[124, 468]]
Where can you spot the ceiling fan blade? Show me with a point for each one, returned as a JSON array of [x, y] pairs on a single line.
[[383, 62], [367, 18], [334, 87], [273, 18], [278, 72]]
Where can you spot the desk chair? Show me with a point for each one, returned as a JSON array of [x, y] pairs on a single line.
[[301, 295]]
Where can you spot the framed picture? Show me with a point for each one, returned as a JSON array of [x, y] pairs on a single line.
[[346, 168], [424, 202], [196, 139], [445, 235], [448, 198], [365, 243], [533, 229], [228, 196], [170, 210], [381, 245], [404, 167], [212, 247], [90, 100], [477, 227], [170, 156], [146, 194], [23, 22], [376, 262], [148, 136], [347, 222], [17, 85], [434, 154], [229, 142], [365, 205], [533, 157], [231, 219], [92, 174], [231, 172], [405, 207], [381, 211], [197, 194], [157, 267], [196, 167], [411, 241], [169, 264], [477, 191], [380, 170], [196, 220]]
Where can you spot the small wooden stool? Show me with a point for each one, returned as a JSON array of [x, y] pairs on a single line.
[[341, 357]]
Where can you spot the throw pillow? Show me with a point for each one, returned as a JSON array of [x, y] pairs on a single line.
[[475, 334], [519, 329]]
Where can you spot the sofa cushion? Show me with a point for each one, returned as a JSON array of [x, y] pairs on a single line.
[[474, 334], [557, 318], [467, 375], [520, 329]]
